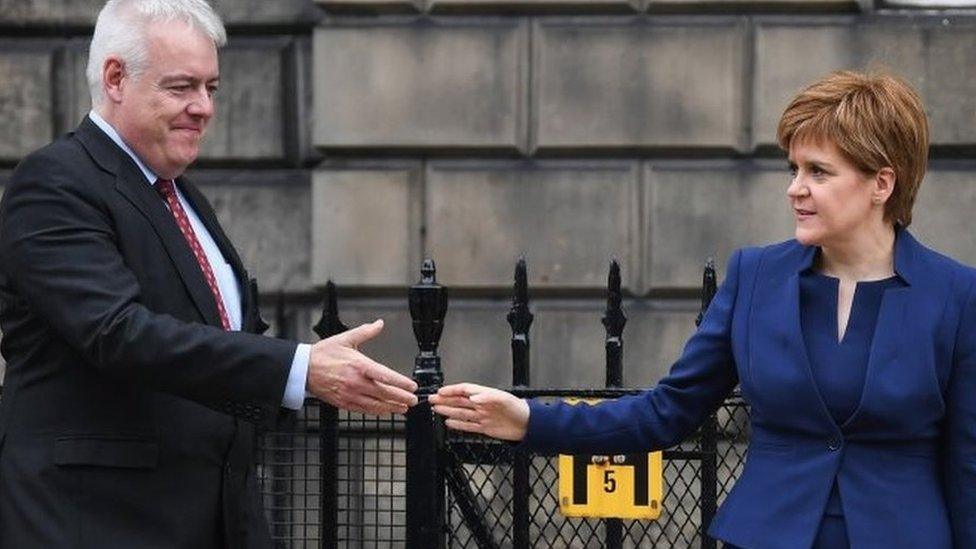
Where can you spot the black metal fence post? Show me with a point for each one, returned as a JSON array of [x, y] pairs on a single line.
[[520, 319], [283, 442], [425, 433], [709, 478], [709, 430], [328, 326], [614, 321]]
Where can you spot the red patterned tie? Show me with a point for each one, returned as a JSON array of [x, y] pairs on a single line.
[[166, 189]]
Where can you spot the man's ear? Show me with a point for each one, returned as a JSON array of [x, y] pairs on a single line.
[[884, 185], [113, 78]]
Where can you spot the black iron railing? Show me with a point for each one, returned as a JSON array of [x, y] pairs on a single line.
[[363, 503], [338, 479]]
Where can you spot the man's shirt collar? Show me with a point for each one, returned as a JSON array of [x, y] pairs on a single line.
[[117, 139]]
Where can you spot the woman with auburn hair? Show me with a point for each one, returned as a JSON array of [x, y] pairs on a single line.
[[854, 345]]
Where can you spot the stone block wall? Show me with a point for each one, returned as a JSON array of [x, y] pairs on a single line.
[[356, 137]]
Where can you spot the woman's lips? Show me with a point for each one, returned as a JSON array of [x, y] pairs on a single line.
[[803, 214]]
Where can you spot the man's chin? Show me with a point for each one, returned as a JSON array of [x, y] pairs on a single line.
[[179, 165], [187, 156]]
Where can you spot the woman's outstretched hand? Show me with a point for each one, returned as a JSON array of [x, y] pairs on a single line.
[[477, 409]]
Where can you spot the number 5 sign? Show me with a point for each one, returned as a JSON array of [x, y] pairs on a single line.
[[622, 486]]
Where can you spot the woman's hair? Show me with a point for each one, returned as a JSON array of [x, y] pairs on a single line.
[[121, 30], [875, 119]]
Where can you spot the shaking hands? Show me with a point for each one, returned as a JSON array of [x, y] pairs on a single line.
[[346, 378]]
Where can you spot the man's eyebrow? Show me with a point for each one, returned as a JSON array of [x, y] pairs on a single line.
[[176, 78], [186, 78]]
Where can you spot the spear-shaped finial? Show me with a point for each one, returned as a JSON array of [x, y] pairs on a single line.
[[329, 324], [614, 321], [281, 317], [709, 288], [520, 319]]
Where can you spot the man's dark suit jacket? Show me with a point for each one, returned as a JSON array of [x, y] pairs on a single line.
[[128, 415]]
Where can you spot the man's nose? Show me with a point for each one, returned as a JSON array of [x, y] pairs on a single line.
[[201, 105]]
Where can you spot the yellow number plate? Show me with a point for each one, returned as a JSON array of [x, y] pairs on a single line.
[[626, 486]]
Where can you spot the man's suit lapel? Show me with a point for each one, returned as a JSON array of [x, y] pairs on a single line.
[[205, 212], [208, 217], [134, 187], [132, 184]]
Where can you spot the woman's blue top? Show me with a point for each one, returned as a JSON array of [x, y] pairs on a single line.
[[839, 367]]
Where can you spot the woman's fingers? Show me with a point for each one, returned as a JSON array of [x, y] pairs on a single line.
[[456, 402], [461, 390], [487, 402], [452, 412], [459, 425]]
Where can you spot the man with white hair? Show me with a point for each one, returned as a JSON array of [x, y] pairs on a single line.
[[133, 383]]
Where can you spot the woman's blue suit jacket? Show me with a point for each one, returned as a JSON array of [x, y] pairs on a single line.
[[905, 460]]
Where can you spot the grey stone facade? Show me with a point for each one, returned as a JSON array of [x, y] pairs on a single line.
[[355, 137]]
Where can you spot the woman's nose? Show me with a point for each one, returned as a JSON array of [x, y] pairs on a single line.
[[796, 188]]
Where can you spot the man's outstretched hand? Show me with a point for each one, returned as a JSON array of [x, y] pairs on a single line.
[[342, 376]]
